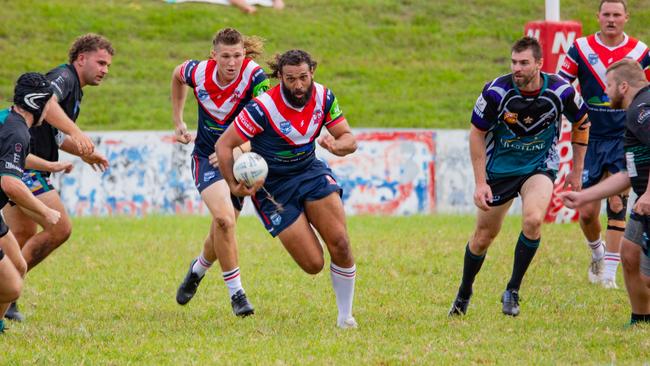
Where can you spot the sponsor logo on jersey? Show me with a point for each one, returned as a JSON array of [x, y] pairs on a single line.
[[516, 144], [209, 175], [285, 127], [318, 115], [236, 97], [599, 102], [593, 58], [18, 147], [510, 117], [644, 116], [246, 124], [10, 165], [202, 94], [276, 219]]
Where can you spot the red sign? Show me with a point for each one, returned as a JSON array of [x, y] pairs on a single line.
[[556, 38]]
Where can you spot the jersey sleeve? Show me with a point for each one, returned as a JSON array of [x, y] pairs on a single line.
[[569, 70], [261, 83], [187, 71], [250, 121], [645, 64], [639, 124], [12, 155], [334, 114], [485, 114], [62, 81], [575, 109]]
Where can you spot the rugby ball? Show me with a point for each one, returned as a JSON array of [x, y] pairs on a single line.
[[250, 168]]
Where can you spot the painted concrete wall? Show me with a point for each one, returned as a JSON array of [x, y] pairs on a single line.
[[393, 172]]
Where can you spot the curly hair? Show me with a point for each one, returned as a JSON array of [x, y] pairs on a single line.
[[88, 43], [293, 58]]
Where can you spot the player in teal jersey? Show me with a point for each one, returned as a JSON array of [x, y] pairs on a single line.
[[32, 97], [515, 128]]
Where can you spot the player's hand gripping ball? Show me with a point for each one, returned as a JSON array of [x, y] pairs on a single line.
[[250, 168]]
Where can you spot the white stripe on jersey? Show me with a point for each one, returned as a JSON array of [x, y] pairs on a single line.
[[598, 67], [638, 52], [278, 120], [220, 113]]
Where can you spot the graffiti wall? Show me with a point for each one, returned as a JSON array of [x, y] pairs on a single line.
[[392, 173]]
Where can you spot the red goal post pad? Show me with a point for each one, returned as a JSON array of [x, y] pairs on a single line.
[[555, 38]]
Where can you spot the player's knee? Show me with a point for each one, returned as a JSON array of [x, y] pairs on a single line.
[[341, 246], [616, 208], [313, 265], [60, 233], [225, 223], [482, 239], [12, 290], [532, 223], [630, 260], [588, 215]]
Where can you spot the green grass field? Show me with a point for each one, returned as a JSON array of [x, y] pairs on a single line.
[[406, 63], [107, 297]]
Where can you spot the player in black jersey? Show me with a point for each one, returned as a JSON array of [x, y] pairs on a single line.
[[627, 88], [32, 97], [89, 59]]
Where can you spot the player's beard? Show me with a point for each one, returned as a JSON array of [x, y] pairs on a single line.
[[295, 101], [526, 79], [616, 101]]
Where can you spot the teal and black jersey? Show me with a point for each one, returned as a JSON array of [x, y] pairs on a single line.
[[14, 146], [523, 130], [637, 141]]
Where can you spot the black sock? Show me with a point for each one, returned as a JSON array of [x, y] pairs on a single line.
[[524, 253], [639, 318], [471, 266]]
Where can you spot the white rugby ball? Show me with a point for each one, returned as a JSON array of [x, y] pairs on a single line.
[[250, 168]]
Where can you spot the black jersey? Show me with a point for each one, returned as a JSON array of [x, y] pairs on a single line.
[[637, 141], [68, 91], [14, 145]]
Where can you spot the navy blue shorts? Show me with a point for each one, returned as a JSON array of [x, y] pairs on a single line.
[[291, 192], [205, 174], [602, 156]]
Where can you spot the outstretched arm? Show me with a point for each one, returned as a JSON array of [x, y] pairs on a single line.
[[18, 192], [37, 163], [56, 117]]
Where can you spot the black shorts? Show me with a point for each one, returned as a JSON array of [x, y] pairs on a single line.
[[505, 189]]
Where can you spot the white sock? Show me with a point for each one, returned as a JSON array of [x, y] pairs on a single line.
[[201, 265], [597, 249], [611, 265], [233, 281], [343, 284]]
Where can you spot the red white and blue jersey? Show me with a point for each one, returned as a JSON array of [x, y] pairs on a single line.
[[285, 135], [219, 105], [588, 60]]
